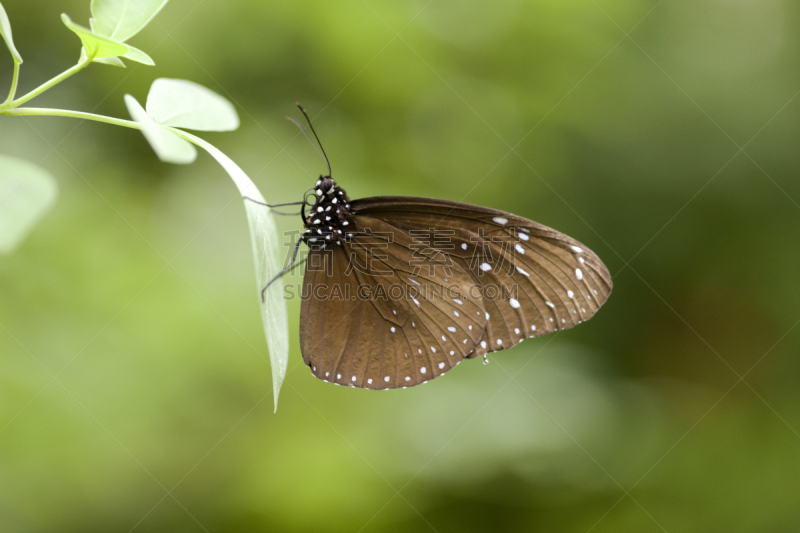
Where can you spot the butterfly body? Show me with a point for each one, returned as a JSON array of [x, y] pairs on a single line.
[[399, 290], [329, 218]]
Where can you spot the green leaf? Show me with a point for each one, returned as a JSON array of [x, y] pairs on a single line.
[[134, 54], [267, 254], [26, 194], [185, 104], [96, 47], [168, 147], [122, 19], [5, 31]]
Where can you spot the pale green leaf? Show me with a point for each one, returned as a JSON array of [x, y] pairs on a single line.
[[168, 147], [134, 54], [267, 255], [96, 47], [122, 19], [5, 31], [113, 61], [185, 104], [26, 194]]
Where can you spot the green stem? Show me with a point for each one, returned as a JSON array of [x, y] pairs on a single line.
[[43, 87], [13, 92], [44, 112]]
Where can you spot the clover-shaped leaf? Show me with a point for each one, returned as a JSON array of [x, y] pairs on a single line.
[[95, 46], [119, 20], [27, 193], [168, 147], [5, 32], [185, 104], [180, 103]]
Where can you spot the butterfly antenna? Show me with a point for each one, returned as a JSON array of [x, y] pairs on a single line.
[[310, 125]]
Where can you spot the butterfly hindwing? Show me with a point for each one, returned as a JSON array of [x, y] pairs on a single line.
[[371, 318]]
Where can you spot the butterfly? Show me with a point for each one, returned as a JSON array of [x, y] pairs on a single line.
[[399, 290]]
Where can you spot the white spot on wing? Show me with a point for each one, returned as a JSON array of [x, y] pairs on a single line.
[[369, 381], [501, 220], [423, 370], [408, 378], [485, 267], [354, 378], [516, 330], [483, 344], [441, 365], [523, 236], [523, 272], [459, 302], [392, 329], [463, 246], [451, 329], [386, 379], [570, 294], [576, 250], [550, 305], [415, 301], [499, 341], [412, 280], [578, 273], [519, 249], [433, 349], [514, 303]]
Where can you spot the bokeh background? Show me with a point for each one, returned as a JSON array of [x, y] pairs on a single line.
[[135, 393]]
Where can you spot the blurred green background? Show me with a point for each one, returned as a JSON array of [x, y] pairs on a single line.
[[134, 388]]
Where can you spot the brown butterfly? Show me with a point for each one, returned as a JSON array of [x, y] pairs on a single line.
[[399, 290]]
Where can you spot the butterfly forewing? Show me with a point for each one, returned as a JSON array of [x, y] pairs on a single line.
[[533, 279]]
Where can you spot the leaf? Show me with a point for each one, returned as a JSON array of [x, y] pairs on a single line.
[[122, 19], [268, 262], [168, 147], [185, 104], [5, 31], [96, 47], [27, 193], [134, 54]]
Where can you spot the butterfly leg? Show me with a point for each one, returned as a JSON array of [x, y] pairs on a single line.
[[275, 205], [285, 269]]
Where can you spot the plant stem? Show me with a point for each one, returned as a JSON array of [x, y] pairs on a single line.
[[44, 112], [13, 92], [43, 87]]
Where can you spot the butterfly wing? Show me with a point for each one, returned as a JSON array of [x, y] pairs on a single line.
[[371, 319], [533, 279]]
